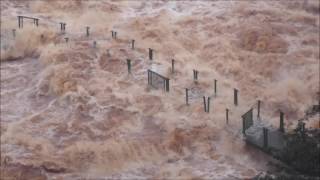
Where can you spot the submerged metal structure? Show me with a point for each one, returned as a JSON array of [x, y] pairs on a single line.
[[158, 81]]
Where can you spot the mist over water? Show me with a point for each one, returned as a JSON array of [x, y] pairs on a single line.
[[70, 110]]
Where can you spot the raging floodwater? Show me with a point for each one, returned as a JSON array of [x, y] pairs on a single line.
[[71, 110]]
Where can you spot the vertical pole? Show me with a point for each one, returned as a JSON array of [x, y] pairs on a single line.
[[204, 103], [281, 121], [67, 39], [235, 97], [14, 32], [259, 102], [195, 75], [303, 127], [115, 35], [129, 65], [150, 53], [167, 85], [148, 77], [132, 43], [243, 126], [208, 107], [87, 30], [227, 116], [172, 65], [21, 21], [187, 96], [215, 87], [111, 34], [37, 22], [18, 21], [265, 138], [94, 44], [151, 77]]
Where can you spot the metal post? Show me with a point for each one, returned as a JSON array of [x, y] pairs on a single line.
[[243, 126], [195, 75], [132, 43], [14, 32], [150, 53], [303, 127], [235, 97], [167, 85], [227, 116], [172, 65], [281, 121], [112, 34], [115, 35], [129, 65], [62, 27], [67, 39], [204, 103], [259, 102], [87, 30], [215, 87], [265, 138], [18, 21], [148, 77], [94, 44], [37, 22], [187, 96], [208, 107]]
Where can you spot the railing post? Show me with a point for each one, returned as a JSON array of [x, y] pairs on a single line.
[[187, 96], [172, 65], [148, 77], [215, 87], [150, 54], [227, 116], [20, 21], [235, 97], [208, 105], [265, 138], [259, 103], [167, 84], [67, 39], [129, 65], [281, 128], [132, 43], [88, 28], [204, 104], [195, 75], [14, 32]]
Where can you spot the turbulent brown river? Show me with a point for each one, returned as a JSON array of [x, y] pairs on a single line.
[[71, 110]]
